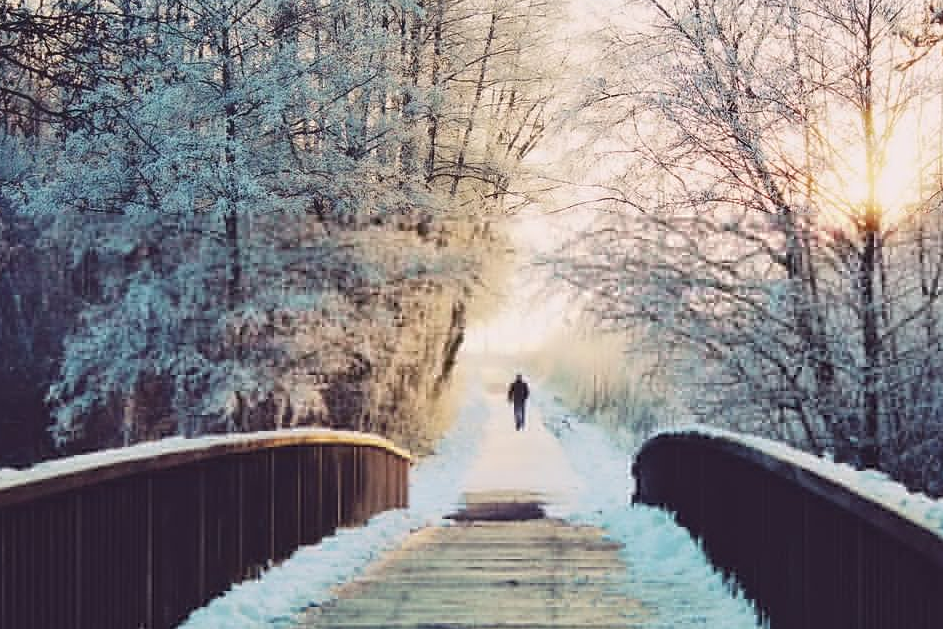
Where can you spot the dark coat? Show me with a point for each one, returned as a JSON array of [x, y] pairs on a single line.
[[518, 392]]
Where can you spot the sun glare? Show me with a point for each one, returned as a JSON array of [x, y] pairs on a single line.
[[898, 182]]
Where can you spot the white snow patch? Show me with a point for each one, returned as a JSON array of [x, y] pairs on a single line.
[[872, 485], [306, 578], [668, 573], [309, 576]]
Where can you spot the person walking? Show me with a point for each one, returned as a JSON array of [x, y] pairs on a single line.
[[517, 394]]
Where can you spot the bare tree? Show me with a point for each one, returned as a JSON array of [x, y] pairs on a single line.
[[751, 223]]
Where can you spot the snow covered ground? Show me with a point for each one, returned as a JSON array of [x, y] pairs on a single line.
[[668, 572], [532, 460], [571, 463]]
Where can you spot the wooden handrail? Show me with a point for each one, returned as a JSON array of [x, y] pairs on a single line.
[[76, 472]]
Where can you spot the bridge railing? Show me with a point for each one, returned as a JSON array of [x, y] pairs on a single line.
[[809, 548], [143, 537]]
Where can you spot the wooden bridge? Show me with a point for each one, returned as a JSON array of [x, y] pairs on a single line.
[[143, 539]]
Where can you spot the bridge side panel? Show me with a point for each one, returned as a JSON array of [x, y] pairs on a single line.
[[807, 558], [111, 554], [222, 524], [312, 482], [256, 513], [178, 506], [145, 549], [329, 517], [288, 503], [37, 555]]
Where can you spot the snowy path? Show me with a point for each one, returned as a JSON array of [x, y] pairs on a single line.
[[571, 465], [532, 460], [667, 571]]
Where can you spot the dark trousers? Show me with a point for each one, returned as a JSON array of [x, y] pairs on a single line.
[[519, 416]]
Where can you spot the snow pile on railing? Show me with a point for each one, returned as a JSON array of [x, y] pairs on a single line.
[[173, 446], [872, 485]]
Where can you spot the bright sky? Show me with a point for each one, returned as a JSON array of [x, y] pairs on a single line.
[[532, 311], [535, 310]]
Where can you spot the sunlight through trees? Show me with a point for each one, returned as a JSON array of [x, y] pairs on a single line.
[[775, 217]]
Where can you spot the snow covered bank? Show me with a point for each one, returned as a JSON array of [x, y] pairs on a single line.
[[668, 572], [308, 576], [870, 484]]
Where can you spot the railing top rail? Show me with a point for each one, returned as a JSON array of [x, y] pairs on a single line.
[[915, 519], [71, 473]]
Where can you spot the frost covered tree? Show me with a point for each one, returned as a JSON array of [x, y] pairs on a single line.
[[774, 217], [495, 65], [222, 171], [244, 191]]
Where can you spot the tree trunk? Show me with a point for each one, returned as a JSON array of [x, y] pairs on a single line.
[[479, 90], [433, 128], [234, 275], [867, 275]]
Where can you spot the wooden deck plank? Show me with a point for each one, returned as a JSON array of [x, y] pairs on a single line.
[[507, 574]]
